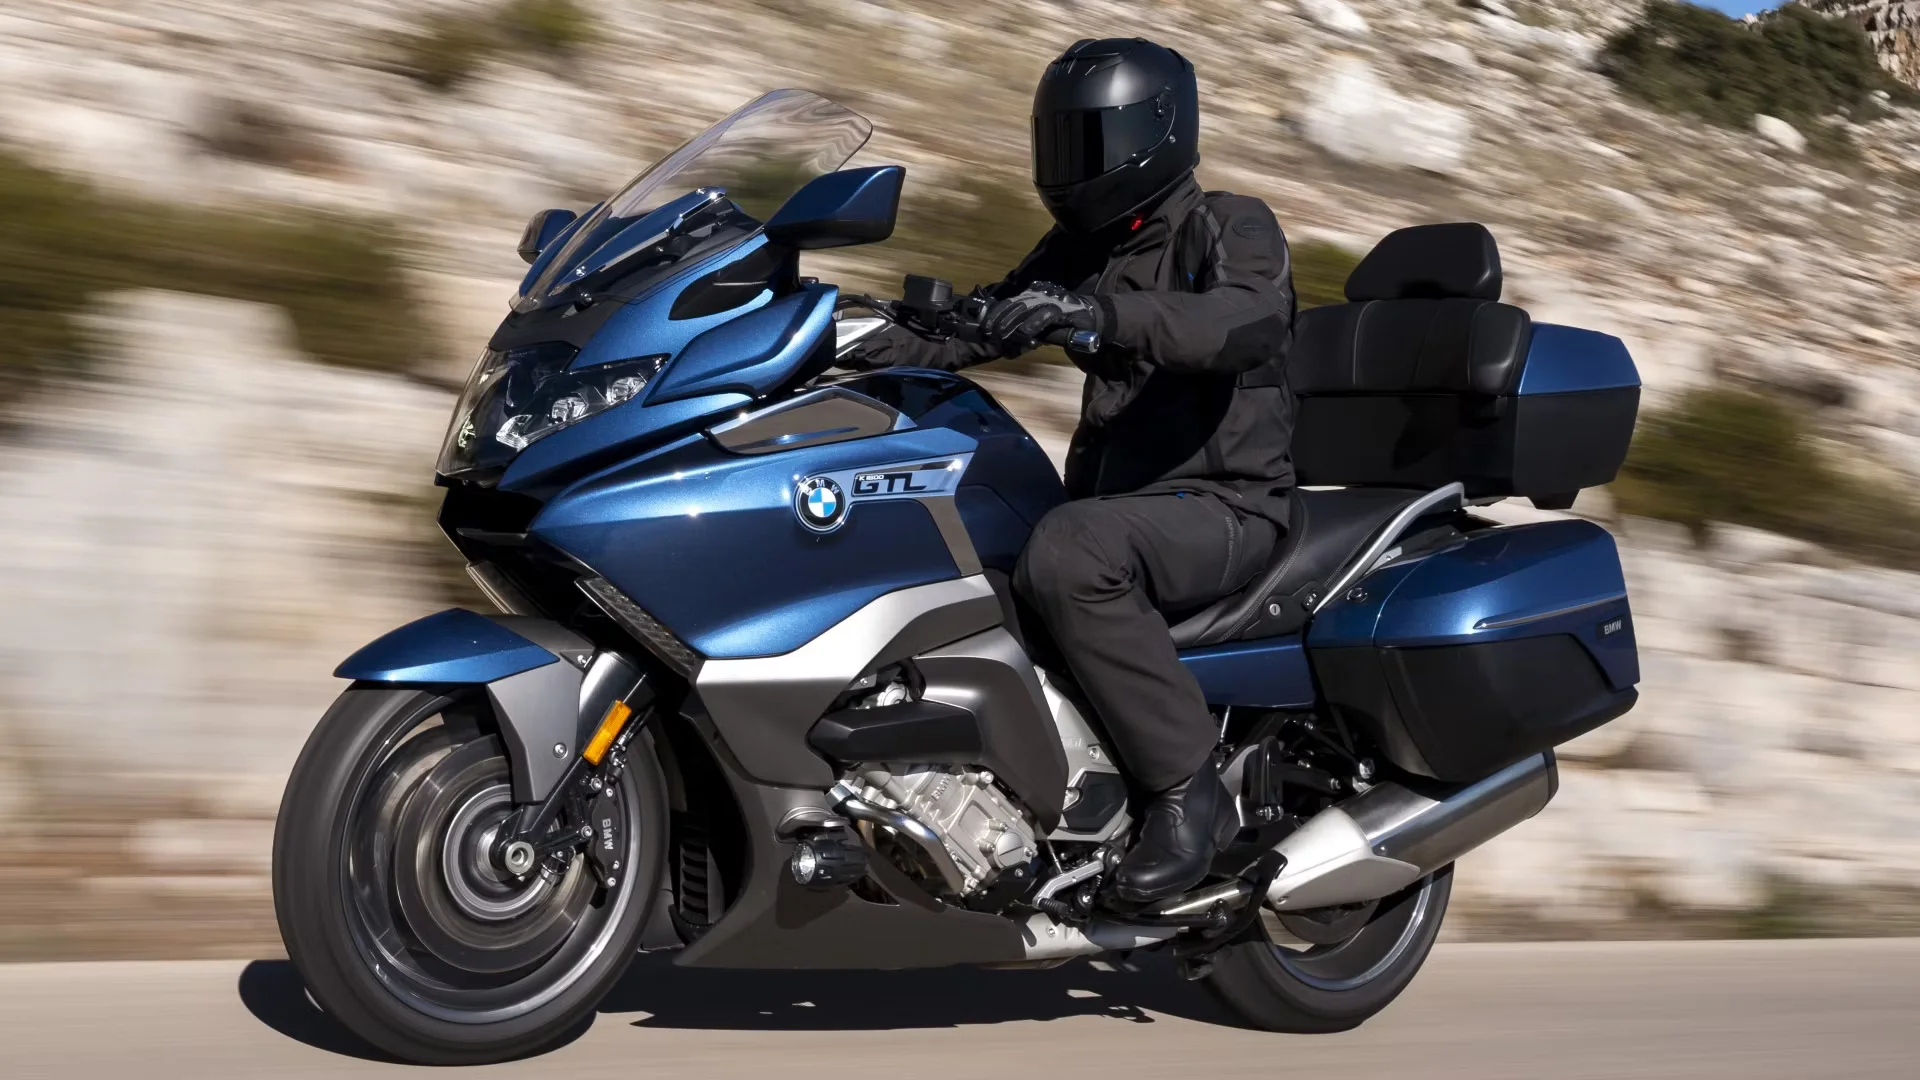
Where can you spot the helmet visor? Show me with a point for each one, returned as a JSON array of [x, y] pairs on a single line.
[[1073, 146]]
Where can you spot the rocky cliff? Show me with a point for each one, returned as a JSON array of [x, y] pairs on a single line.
[[1892, 25]]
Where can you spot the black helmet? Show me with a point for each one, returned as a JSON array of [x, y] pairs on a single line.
[[1116, 125]]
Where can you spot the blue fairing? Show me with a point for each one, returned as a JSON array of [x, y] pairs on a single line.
[[1566, 360], [997, 532], [1270, 674], [753, 353], [645, 327], [454, 646], [703, 382], [738, 356], [709, 543], [1010, 484]]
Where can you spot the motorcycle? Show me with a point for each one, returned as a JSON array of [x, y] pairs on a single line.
[[756, 690]]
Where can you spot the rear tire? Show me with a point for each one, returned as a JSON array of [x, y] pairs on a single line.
[[401, 930], [1326, 988]]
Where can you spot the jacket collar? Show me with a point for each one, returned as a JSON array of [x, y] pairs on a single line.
[[1157, 224]]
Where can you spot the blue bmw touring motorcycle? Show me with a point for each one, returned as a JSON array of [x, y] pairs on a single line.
[[755, 693]]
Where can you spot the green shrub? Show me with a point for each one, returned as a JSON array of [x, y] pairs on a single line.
[[1533, 14], [1744, 458], [340, 280], [446, 51], [551, 27], [264, 134], [63, 243], [1795, 64], [1789, 910], [52, 233], [1320, 272]]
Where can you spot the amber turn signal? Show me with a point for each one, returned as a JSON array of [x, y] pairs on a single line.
[[602, 740]]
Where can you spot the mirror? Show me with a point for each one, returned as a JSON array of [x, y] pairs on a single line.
[[544, 228], [853, 206]]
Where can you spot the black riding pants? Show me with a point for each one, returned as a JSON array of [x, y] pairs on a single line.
[[1104, 575]]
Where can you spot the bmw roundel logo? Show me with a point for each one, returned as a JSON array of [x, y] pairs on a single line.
[[821, 504]]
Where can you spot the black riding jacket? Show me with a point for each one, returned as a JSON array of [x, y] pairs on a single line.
[[1189, 392]]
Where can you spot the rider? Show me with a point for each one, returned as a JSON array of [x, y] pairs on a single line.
[[1179, 467]]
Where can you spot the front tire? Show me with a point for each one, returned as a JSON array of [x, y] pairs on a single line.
[[1275, 981], [401, 928]]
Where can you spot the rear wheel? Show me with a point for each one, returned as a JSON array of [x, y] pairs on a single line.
[[1331, 970], [395, 910]]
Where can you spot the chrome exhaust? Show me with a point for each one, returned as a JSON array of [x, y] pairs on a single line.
[[1369, 847], [1381, 841]]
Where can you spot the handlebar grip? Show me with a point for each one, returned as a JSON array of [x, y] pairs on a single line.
[[1084, 342]]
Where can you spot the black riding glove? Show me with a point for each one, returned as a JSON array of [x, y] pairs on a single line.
[[1018, 323]]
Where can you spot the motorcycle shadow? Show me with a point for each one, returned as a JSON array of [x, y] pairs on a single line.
[[272, 991], [725, 1000], [715, 1000]]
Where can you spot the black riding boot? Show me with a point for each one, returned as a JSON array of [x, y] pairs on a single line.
[[1180, 832]]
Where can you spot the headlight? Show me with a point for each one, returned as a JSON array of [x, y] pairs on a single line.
[[517, 397]]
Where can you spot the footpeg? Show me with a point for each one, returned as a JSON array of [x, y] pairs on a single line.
[[827, 859]]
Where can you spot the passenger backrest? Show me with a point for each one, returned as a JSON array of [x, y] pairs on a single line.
[[1418, 380]]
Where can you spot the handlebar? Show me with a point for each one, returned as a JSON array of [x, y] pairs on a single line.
[[929, 307], [968, 321]]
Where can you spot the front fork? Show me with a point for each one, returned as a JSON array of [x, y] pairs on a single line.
[[589, 793]]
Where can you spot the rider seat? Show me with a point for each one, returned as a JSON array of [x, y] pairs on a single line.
[[1325, 529]]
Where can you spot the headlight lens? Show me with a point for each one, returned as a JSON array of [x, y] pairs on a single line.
[[574, 397], [516, 397]]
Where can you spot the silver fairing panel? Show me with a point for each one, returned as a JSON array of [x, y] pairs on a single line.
[[763, 707], [1086, 756], [990, 675]]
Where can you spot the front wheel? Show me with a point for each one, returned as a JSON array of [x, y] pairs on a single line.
[[397, 916], [1331, 970]]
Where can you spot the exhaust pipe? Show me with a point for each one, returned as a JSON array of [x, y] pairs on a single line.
[[1379, 842]]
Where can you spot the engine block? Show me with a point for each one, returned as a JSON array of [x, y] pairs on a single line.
[[982, 828]]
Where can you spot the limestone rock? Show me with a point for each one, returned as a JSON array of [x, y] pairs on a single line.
[[221, 516], [1334, 15], [1355, 115], [1780, 133], [1452, 54]]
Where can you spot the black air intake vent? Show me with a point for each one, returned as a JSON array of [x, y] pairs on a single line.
[[645, 629]]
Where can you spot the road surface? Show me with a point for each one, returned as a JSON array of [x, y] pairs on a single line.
[[1799, 1010]]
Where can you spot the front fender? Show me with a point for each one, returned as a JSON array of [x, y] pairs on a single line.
[[549, 691], [460, 647]]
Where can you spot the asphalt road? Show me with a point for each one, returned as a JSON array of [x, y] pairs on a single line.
[[1804, 1010]]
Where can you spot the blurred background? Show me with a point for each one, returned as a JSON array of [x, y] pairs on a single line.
[[248, 248]]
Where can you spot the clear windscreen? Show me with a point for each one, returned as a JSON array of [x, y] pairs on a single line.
[[725, 181]]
